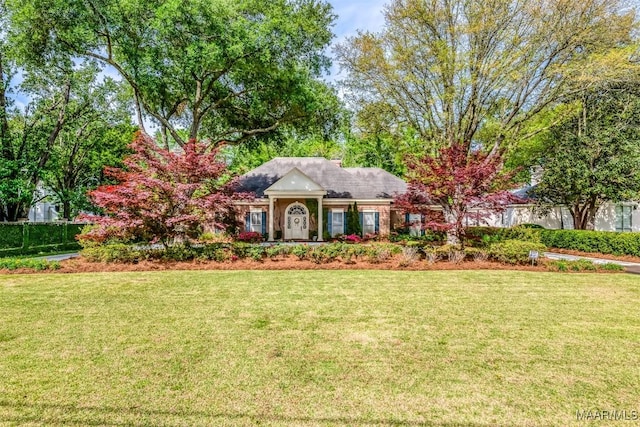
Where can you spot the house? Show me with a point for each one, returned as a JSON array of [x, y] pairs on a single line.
[[620, 217], [292, 191], [306, 198]]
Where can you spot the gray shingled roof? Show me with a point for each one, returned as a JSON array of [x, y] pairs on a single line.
[[347, 183]]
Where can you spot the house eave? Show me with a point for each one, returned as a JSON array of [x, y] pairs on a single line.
[[293, 194]]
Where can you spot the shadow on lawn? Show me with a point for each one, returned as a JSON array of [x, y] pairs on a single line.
[[99, 416]]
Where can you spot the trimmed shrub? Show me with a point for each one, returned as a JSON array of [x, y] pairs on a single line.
[[240, 249], [431, 255], [33, 264], [274, 251], [219, 252], [451, 253], [487, 236], [301, 251], [256, 252], [604, 242], [514, 251], [11, 236], [581, 265], [522, 233], [249, 237], [476, 254], [29, 238], [182, 253], [429, 236], [112, 252]]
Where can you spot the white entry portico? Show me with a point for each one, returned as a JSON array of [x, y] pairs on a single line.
[[297, 186]]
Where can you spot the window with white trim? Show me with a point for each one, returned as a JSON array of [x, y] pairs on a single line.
[[368, 222], [255, 220], [337, 222], [623, 217]]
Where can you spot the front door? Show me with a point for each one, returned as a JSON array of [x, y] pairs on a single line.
[[297, 222]]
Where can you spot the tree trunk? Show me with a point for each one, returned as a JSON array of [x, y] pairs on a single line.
[[15, 211], [578, 222], [453, 232], [4, 120], [584, 215], [592, 210], [66, 210]]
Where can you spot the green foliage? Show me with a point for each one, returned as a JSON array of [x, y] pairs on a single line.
[[63, 138], [112, 252], [301, 251], [181, 253], [608, 266], [256, 252], [593, 157], [285, 143], [486, 236], [376, 254], [581, 265], [219, 252], [274, 251], [32, 264], [425, 66], [429, 236], [326, 253], [29, 238], [452, 253], [525, 234], [240, 249], [11, 236], [353, 220], [514, 251], [604, 242], [206, 70], [349, 225], [476, 254]]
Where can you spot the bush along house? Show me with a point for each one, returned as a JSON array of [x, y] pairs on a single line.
[[308, 199]]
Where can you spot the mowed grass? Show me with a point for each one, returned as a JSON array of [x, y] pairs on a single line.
[[470, 348]]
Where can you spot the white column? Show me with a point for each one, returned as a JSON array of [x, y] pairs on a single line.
[[320, 218], [270, 215]]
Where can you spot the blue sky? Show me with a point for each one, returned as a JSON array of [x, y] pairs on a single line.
[[355, 15]]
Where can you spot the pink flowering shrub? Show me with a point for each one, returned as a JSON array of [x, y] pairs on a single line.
[[249, 237], [352, 238]]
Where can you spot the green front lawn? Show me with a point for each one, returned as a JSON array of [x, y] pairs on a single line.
[[180, 348]]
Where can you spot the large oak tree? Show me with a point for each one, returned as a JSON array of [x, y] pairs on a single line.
[[450, 69], [213, 70]]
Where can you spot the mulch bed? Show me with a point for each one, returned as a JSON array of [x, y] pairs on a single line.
[[79, 265]]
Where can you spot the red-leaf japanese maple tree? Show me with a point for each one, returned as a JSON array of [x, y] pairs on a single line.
[[458, 182], [163, 195]]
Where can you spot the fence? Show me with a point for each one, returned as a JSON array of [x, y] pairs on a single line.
[[25, 238]]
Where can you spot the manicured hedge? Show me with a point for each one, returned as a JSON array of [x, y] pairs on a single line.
[[604, 242], [28, 238], [514, 251]]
